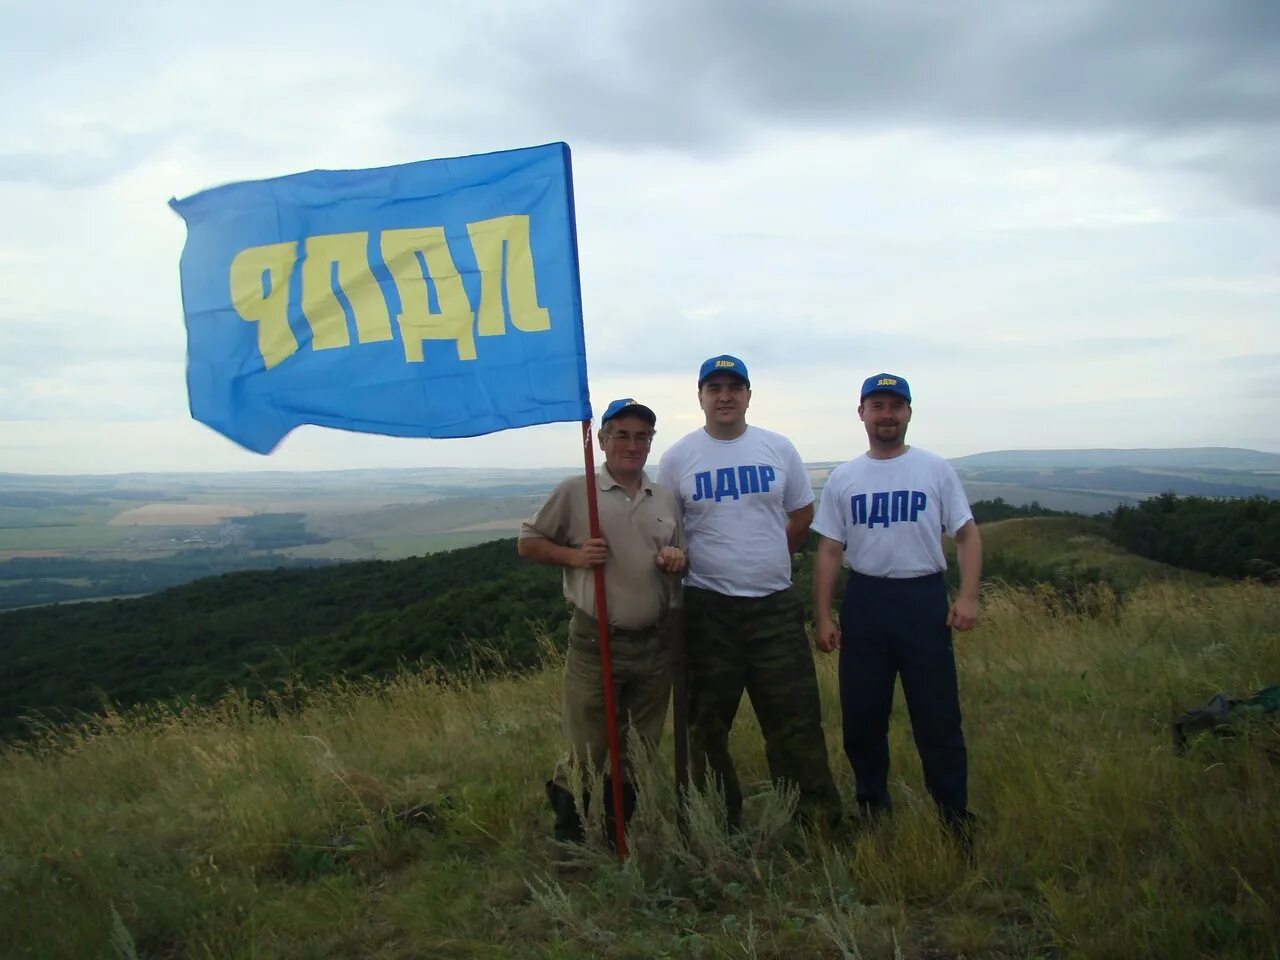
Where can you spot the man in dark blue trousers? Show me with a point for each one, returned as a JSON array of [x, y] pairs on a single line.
[[884, 513]]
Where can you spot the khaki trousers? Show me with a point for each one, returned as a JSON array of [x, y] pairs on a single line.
[[642, 689]]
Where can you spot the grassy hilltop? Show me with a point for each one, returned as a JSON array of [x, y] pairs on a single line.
[[266, 630], [270, 829]]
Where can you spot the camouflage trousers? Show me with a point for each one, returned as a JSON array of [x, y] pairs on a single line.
[[756, 644], [641, 687]]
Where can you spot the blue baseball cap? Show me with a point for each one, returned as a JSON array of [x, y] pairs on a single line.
[[724, 364], [885, 383], [631, 407]]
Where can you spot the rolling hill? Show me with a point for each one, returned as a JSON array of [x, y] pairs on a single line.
[[1185, 458], [1097, 481], [259, 631]]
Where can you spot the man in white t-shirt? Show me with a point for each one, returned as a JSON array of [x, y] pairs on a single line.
[[886, 511], [747, 506]]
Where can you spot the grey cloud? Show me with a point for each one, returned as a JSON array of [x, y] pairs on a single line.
[[819, 347], [1256, 375], [700, 77], [1262, 391], [101, 156], [108, 399], [1248, 166], [1256, 361], [981, 351], [1148, 64], [1104, 346], [46, 344]]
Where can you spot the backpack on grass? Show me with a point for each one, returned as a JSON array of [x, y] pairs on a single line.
[[1222, 716]]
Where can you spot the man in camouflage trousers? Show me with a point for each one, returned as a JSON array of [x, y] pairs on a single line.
[[747, 505]]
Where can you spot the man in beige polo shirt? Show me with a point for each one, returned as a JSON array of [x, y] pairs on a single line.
[[641, 548]]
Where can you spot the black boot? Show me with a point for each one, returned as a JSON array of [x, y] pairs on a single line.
[[961, 825], [628, 809], [568, 825], [874, 812]]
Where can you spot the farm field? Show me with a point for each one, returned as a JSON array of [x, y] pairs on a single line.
[[65, 539], [177, 515], [209, 522]]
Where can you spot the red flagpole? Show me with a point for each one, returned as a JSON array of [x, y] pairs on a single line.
[[606, 662], [680, 707]]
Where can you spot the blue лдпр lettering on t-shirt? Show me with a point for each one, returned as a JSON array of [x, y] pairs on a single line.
[[886, 507], [731, 483]]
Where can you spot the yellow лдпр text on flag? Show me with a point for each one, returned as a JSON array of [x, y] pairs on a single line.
[[258, 279]]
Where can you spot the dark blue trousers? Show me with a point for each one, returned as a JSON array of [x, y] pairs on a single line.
[[891, 628]]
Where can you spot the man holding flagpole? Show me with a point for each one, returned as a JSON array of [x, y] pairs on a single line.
[[640, 547], [438, 298]]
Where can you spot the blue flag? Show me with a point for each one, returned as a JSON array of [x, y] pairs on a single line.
[[431, 299]]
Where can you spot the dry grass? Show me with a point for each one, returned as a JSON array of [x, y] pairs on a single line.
[[270, 830]]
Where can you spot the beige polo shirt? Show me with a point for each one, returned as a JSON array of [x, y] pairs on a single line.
[[637, 592]]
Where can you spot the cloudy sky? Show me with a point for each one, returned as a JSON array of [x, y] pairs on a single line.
[[1059, 219]]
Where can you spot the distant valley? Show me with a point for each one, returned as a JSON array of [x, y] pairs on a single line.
[[67, 538], [1096, 481]]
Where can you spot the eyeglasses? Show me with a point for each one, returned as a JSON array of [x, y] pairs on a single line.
[[642, 439]]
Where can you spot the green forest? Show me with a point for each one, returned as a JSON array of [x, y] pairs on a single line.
[[1228, 538], [31, 581], [257, 630]]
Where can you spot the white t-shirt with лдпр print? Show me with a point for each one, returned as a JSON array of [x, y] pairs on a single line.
[[891, 514], [736, 495]]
